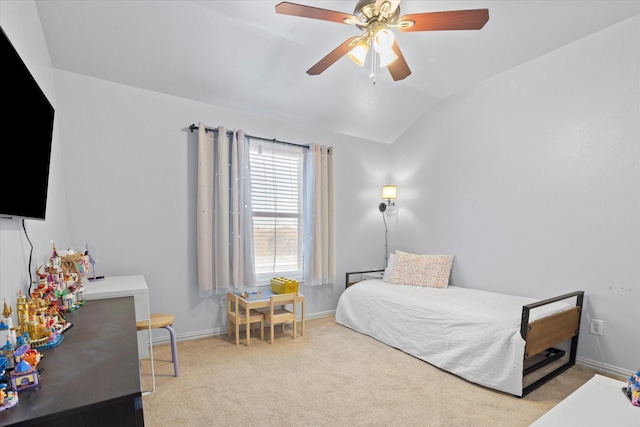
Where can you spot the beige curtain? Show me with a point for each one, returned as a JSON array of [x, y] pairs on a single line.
[[224, 222], [319, 266]]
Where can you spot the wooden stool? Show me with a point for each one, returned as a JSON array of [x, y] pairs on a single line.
[[160, 321]]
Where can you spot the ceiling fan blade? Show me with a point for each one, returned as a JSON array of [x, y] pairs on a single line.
[[399, 68], [295, 9], [473, 19], [332, 57]]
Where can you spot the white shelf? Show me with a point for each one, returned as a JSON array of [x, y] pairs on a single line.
[[599, 402], [119, 286]]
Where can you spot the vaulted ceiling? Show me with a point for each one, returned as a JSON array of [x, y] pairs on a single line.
[[244, 56]]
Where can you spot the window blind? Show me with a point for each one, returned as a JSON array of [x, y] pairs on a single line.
[[276, 198]]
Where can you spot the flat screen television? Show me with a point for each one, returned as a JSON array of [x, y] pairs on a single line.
[[27, 128]]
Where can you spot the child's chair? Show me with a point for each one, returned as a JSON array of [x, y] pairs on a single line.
[[278, 313], [237, 314]]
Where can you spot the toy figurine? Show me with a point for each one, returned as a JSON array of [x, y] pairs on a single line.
[[8, 399], [24, 375], [7, 352], [32, 357], [8, 321]]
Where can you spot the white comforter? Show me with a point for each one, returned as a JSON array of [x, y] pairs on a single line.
[[471, 333]]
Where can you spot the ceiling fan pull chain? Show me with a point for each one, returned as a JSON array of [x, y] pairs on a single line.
[[372, 75]]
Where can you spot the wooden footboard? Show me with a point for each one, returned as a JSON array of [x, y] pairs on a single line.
[[541, 335]]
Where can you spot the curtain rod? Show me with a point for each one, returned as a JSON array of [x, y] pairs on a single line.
[[194, 127]]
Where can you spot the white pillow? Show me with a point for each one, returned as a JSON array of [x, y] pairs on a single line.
[[387, 271], [421, 270]]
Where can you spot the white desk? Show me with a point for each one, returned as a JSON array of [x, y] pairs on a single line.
[[598, 403], [118, 286]]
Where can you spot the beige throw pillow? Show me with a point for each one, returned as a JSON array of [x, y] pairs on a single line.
[[421, 270]]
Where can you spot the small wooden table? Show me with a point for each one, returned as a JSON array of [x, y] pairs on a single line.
[[261, 299]]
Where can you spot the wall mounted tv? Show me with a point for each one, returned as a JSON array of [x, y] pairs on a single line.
[[27, 128]]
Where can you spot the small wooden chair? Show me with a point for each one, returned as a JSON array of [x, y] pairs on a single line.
[[239, 316], [160, 321], [279, 314]]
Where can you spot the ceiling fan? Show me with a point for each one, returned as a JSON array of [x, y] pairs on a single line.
[[376, 18]]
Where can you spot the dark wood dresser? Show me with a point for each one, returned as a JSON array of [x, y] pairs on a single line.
[[92, 378]]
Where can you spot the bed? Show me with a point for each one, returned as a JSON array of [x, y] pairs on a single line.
[[491, 339]]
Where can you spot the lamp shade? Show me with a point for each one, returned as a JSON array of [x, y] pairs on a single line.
[[387, 56], [359, 52], [383, 40], [389, 192], [383, 43]]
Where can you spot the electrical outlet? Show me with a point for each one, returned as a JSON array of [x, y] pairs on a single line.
[[223, 301], [596, 327]]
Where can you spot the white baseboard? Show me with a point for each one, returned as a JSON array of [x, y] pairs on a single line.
[[208, 333], [603, 367]]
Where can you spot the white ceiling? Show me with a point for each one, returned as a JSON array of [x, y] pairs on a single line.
[[242, 55]]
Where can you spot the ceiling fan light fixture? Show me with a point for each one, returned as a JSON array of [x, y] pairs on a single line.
[[359, 53], [377, 18], [383, 40], [387, 56]]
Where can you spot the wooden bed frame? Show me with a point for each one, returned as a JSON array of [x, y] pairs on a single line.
[[540, 336]]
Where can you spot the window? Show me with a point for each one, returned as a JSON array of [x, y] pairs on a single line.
[[265, 208], [276, 172]]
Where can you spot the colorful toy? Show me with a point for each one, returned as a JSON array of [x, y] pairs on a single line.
[[256, 294], [7, 352], [284, 285], [58, 289], [40, 322], [62, 280], [8, 399], [23, 376], [9, 332], [32, 357]]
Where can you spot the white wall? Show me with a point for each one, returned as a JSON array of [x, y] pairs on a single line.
[[130, 169], [21, 23], [532, 180]]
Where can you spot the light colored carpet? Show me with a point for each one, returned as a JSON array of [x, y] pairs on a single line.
[[332, 376]]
